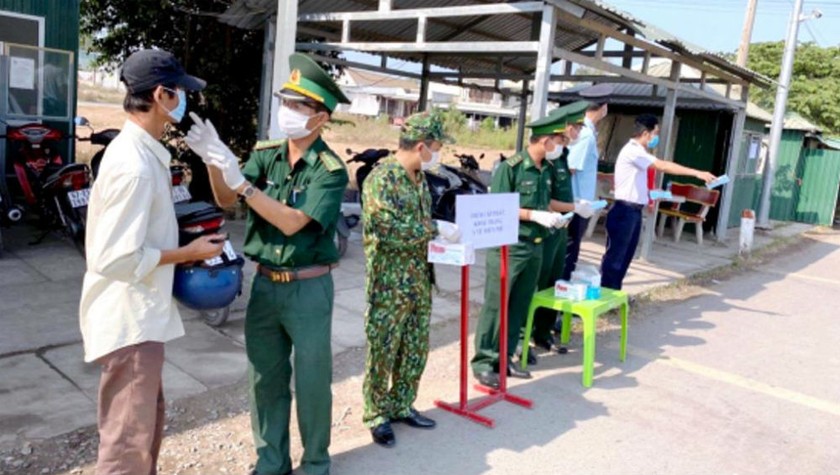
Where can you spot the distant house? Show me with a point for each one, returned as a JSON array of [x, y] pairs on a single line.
[[373, 94]]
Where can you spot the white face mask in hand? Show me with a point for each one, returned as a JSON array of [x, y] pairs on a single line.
[[293, 123]]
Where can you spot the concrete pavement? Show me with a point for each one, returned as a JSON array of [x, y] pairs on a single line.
[[47, 390]]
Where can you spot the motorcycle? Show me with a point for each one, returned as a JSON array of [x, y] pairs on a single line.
[[47, 187], [445, 181], [101, 138]]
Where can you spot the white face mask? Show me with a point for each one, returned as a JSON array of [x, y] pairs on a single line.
[[432, 162], [573, 142], [293, 123], [554, 154]]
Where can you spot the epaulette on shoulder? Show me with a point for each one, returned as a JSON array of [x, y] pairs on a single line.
[[331, 161], [267, 144], [514, 160]]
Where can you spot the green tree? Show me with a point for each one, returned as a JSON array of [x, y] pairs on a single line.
[[228, 58], [815, 84]]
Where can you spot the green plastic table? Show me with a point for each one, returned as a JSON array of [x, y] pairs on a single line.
[[588, 311]]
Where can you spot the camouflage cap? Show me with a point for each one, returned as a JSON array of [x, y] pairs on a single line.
[[426, 125]]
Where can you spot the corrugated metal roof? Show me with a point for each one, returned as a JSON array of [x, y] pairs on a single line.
[[830, 142], [662, 68], [658, 35], [570, 36], [794, 121], [640, 95], [363, 78]]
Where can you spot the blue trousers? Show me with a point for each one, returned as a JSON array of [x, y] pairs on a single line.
[[624, 224]]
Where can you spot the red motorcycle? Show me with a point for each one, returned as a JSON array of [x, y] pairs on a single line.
[[46, 187]]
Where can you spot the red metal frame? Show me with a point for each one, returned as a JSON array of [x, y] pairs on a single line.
[[470, 411]]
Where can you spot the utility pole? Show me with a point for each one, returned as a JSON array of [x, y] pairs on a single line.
[[776, 127], [746, 34]]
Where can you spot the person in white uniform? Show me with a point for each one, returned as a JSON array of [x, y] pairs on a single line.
[[624, 221]]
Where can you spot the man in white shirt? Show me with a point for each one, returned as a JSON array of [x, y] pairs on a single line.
[[624, 221], [126, 310], [583, 164]]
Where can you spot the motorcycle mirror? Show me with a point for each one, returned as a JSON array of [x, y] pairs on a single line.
[[81, 121], [481, 156], [349, 152]]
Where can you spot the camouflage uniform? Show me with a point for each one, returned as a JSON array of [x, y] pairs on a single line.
[[398, 226], [397, 230]]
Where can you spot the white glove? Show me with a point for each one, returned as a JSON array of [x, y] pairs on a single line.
[[220, 156], [546, 219], [201, 135], [562, 222], [583, 208], [448, 231]]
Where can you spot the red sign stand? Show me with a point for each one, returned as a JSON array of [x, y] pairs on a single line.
[[470, 411]]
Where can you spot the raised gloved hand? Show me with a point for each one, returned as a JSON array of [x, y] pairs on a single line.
[[547, 219], [220, 156], [201, 135], [448, 231], [583, 208]]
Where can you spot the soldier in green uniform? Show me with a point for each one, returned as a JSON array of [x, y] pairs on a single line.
[[294, 189], [398, 226], [566, 120], [530, 173]]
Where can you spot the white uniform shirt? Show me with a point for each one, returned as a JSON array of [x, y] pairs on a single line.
[[631, 173], [127, 297]]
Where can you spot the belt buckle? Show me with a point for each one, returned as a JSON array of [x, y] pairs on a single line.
[[538, 240], [282, 277]]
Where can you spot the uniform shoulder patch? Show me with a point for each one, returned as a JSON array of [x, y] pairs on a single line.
[[331, 161], [514, 160], [267, 144]]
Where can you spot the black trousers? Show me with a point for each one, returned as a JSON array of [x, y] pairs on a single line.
[[624, 225], [577, 228]]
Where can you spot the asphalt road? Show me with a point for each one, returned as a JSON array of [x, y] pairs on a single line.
[[743, 378]]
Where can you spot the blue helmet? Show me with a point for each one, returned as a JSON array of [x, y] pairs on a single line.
[[203, 287]]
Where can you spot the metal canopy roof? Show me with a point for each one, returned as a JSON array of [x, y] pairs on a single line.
[[570, 34]]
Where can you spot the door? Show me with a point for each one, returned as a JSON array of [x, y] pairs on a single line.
[[820, 181]]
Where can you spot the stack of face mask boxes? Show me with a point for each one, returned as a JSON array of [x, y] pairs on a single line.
[[585, 285]]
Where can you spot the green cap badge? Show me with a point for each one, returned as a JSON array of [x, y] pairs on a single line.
[[308, 80], [425, 126]]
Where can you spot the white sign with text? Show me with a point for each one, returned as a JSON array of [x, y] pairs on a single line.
[[490, 220]]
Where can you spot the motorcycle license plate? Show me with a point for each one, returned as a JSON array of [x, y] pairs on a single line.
[[79, 198], [180, 193], [227, 250]]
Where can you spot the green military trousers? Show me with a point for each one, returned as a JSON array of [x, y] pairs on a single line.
[[282, 317], [397, 328], [524, 260], [554, 259]]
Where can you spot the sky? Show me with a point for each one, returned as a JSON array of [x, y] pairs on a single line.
[[714, 24]]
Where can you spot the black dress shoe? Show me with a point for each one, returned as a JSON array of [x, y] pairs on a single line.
[[489, 379], [416, 420], [255, 472], [514, 371], [383, 435], [545, 343]]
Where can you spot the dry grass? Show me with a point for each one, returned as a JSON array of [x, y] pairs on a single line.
[[90, 93]]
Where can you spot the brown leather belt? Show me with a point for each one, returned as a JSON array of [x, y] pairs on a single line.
[[285, 275]]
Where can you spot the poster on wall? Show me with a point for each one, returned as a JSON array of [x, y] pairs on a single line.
[[22, 73]]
